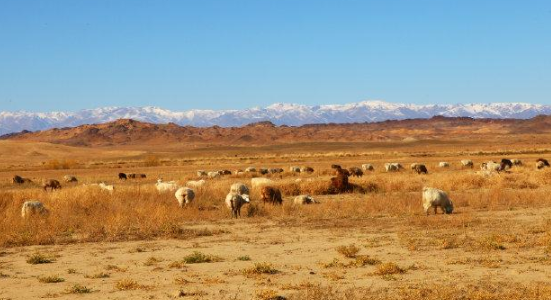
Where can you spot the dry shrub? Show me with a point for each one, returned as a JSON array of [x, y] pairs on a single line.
[[60, 164], [349, 251]]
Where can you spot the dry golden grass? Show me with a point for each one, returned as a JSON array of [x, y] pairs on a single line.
[[373, 231]]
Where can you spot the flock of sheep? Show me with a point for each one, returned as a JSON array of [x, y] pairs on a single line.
[[239, 192]]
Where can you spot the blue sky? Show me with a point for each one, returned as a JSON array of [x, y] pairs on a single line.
[[69, 55]]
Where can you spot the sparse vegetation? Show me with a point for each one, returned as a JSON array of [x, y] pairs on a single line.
[[50, 279], [78, 289], [261, 268], [198, 258], [389, 268], [38, 258], [349, 251]]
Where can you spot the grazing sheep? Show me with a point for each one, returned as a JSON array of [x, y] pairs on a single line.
[[122, 176], [541, 163], [33, 207], [467, 163], [413, 165], [184, 195], [20, 180], [106, 187], [294, 169], [355, 171], [516, 162], [226, 172], [304, 199], [70, 178], [336, 166], [165, 186], [506, 164], [393, 167], [259, 182], [52, 184], [491, 166], [444, 164], [263, 171], [368, 167], [196, 183], [420, 168], [436, 198], [235, 202], [306, 170], [136, 176], [201, 173], [250, 169], [271, 194], [213, 175], [239, 188]]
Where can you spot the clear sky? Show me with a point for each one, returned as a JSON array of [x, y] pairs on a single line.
[[73, 54]]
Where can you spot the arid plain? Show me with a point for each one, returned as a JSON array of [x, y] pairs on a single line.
[[137, 243]]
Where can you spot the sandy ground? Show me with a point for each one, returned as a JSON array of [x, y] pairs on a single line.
[[300, 252]]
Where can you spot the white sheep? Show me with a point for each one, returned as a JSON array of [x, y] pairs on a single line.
[[201, 173], [436, 198], [368, 167], [259, 182], [393, 167], [106, 187], [239, 188], [196, 183], [444, 164], [250, 169], [491, 166], [165, 186], [32, 207], [304, 199], [467, 163], [184, 195], [294, 169], [235, 202], [213, 175]]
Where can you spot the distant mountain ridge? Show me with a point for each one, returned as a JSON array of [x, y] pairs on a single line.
[[278, 114]]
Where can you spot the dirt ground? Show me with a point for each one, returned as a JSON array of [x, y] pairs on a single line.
[[301, 253]]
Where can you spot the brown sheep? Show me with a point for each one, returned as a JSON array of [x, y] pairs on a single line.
[[271, 194], [20, 180], [52, 184], [420, 168], [339, 184], [355, 171]]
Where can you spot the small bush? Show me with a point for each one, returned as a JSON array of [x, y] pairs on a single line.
[[198, 257], [38, 258], [261, 268], [78, 289], [349, 251], [98, 275], [127, 285], [389, 269], [244, 258], [51, 279]]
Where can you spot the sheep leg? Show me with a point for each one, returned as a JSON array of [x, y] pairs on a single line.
[[435, 210]]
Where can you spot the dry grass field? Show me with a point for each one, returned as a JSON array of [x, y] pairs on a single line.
[[137, 243]]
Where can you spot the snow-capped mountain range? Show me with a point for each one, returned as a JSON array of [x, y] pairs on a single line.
[[279, 114]]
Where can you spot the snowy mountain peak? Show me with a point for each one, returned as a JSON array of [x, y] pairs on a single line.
[[277, 113]]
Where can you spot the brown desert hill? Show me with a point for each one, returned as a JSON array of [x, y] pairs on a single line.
[[131, 132]]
